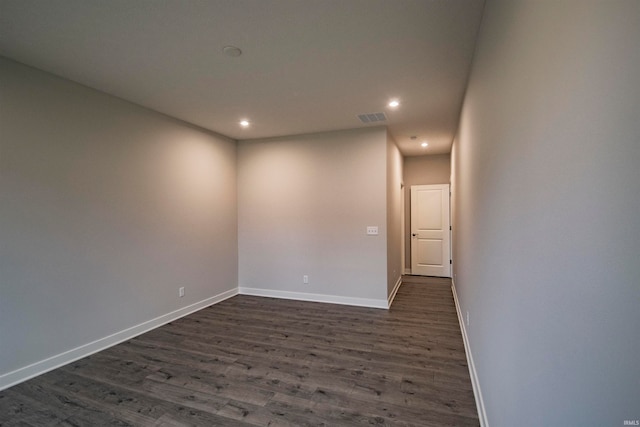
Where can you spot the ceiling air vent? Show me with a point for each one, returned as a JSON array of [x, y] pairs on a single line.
[[372, 117]]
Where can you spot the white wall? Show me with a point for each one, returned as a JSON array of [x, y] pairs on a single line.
[[106, 209], [394, 212], [304, 203], [547, 212]]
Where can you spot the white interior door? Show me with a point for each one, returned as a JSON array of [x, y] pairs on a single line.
[[430, 237]]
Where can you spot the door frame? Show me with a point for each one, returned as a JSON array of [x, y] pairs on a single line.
[[448, 270], [402, 231]]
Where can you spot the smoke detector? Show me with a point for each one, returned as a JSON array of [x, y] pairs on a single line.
[[232, 51]]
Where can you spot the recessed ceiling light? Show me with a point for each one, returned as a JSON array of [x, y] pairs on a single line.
[[425, 144], [394, 103], [244, 123], [232, 51]]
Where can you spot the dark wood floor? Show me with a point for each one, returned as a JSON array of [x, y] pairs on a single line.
[[269, 362]]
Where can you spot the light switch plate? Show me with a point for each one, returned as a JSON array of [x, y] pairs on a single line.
[[372, 230]]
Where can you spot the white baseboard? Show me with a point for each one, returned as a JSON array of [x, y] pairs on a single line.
[[22, 374], [394, 291], [303, 296], [477, 392]]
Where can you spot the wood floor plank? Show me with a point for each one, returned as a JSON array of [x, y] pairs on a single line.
[[252, 361]]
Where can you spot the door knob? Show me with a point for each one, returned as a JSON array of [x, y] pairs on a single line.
[[414, 234]]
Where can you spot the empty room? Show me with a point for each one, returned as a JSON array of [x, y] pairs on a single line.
[[297, 212]]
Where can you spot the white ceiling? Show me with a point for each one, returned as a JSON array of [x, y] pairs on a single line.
[[307, 65]]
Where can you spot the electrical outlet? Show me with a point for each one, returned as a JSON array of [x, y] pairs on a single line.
[[305, 279], [467, 317], [372, 230], [181, 291]]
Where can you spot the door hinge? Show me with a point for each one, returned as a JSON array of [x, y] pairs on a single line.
[[450, 228], [450, 261]]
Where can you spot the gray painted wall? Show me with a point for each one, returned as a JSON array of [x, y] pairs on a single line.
[[394, 213], [421, 170], [547, 212], [106, 209], [304, 203]]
